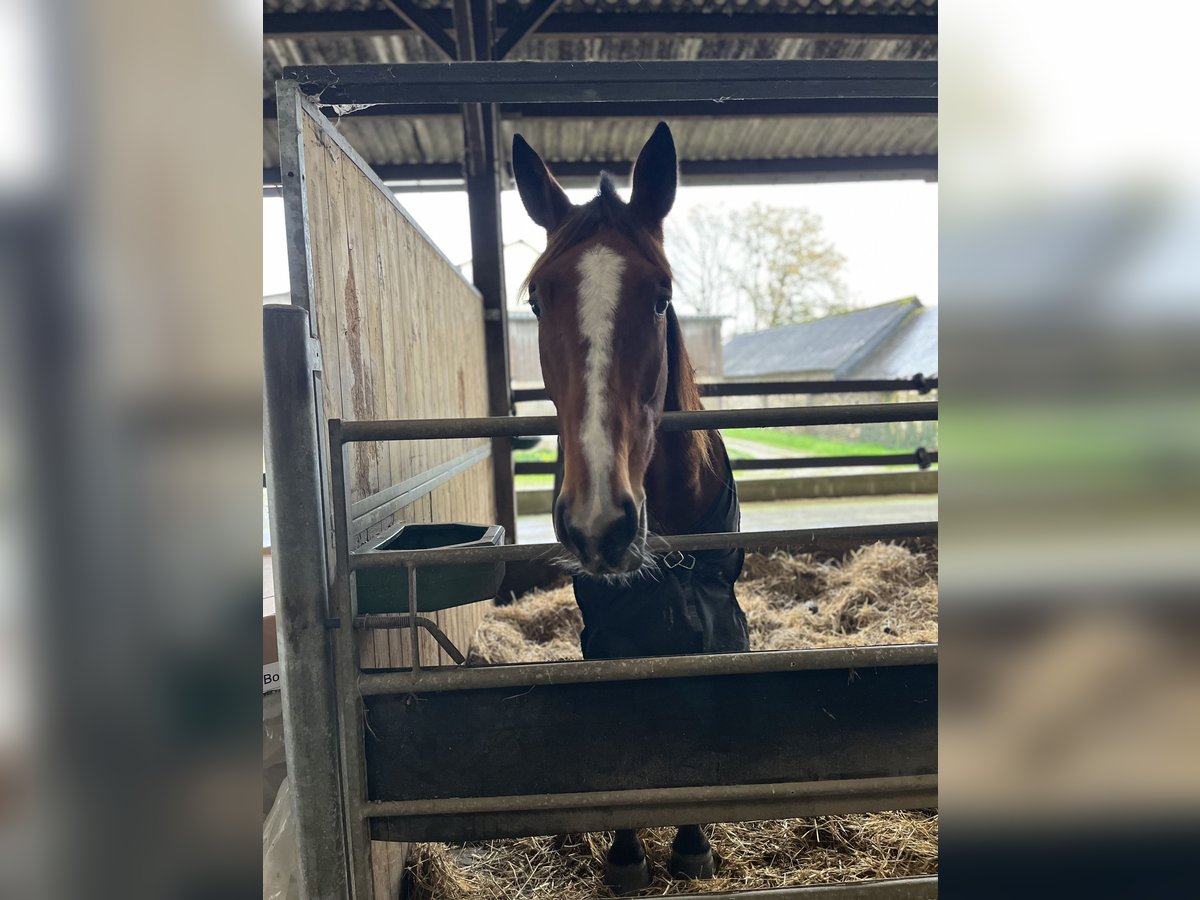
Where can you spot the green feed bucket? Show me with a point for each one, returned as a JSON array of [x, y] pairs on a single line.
[[440, 586]]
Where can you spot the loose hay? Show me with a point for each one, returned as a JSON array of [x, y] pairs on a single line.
[[880, 594], [780, 853]]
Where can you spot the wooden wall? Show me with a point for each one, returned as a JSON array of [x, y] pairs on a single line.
[[401, 336]]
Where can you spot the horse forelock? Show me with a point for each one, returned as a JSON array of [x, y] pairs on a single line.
[[586, 221]]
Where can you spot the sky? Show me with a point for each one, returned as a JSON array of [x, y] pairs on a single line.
[[887, 230]]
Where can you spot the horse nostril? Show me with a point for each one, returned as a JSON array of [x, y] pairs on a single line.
[[631, 514], [620, 534]]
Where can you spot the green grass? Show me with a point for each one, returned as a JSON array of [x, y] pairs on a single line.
[[805, 444], [798, 444]]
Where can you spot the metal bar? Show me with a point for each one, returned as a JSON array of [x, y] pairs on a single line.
[[765, 388], [370, 23], [923, 887], [697, 420], [379, 506], [302, 600], [782, 793], [588, 82], [804, 462], [425, 25], [921, 383], [807, 540], [346, 674], [481, 141], [531, 74], [529, 22], [704, 109], [413, 636], [445, 678], [804, 170], [404, 620], [488, 826], [295, 198]]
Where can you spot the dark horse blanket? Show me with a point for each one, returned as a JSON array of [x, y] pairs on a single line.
[[688, 607]]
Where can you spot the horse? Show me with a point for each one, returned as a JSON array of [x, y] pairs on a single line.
[[613, 361]]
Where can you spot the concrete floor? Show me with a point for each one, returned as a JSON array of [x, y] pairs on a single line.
[[793, 514]]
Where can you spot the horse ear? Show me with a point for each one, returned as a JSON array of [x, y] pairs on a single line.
[[654, 178], [544, 198]]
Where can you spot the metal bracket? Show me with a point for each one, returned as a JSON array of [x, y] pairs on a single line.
[[678, 560], [314, 354]]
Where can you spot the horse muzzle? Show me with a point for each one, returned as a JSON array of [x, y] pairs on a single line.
[[610, 543]]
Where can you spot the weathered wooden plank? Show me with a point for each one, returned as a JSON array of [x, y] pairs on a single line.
[[401, 334]]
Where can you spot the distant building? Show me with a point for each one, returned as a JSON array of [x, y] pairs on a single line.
[[892, 340]]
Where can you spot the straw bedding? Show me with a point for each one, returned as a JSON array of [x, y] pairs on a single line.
[[879, 594]]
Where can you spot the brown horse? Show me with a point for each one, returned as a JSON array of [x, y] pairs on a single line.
[[613, 361]]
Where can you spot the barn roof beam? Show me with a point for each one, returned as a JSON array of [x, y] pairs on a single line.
[[772, 109], [593, 82], [371, 23], [697, 172], [533, 17], [425, 24]]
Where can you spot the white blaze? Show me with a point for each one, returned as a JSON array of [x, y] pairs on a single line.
[[599, 290]]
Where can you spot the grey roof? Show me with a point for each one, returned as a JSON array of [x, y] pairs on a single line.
[[839, 344], [911, 350], [437, 139]]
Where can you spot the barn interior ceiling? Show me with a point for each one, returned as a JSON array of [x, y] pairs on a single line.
[[730, 142]]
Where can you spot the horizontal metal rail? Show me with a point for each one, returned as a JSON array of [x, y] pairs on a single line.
[[805, 540], [798, 462], [924, 887], [593, 82], [453, 678], [659, 797], [697, 420], [918, 383]]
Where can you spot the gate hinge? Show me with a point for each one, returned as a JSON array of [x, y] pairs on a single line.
[[314, 354]]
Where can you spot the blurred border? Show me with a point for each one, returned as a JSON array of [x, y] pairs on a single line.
[[1070, 579]]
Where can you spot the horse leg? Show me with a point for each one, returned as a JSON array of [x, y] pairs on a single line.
[[626, 871], [691, 854]]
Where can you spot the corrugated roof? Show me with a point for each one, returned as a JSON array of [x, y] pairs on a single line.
[[836, 344], [407, 140]]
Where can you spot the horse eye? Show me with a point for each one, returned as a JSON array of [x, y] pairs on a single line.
[[661, 304], [537, 310]]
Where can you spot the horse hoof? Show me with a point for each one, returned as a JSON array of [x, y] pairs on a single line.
[[628, 878], [693, 865]]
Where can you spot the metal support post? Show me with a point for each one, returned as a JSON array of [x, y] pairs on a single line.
[[302, 602]]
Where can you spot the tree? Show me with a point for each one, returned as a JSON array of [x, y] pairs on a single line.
[[763, 265], [700, 248]]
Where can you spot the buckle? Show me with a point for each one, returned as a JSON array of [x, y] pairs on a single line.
[[675, 560]]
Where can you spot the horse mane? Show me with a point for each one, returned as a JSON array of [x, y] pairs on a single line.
[[683, 394]]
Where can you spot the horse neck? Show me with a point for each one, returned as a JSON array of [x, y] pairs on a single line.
[[685, 474]]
